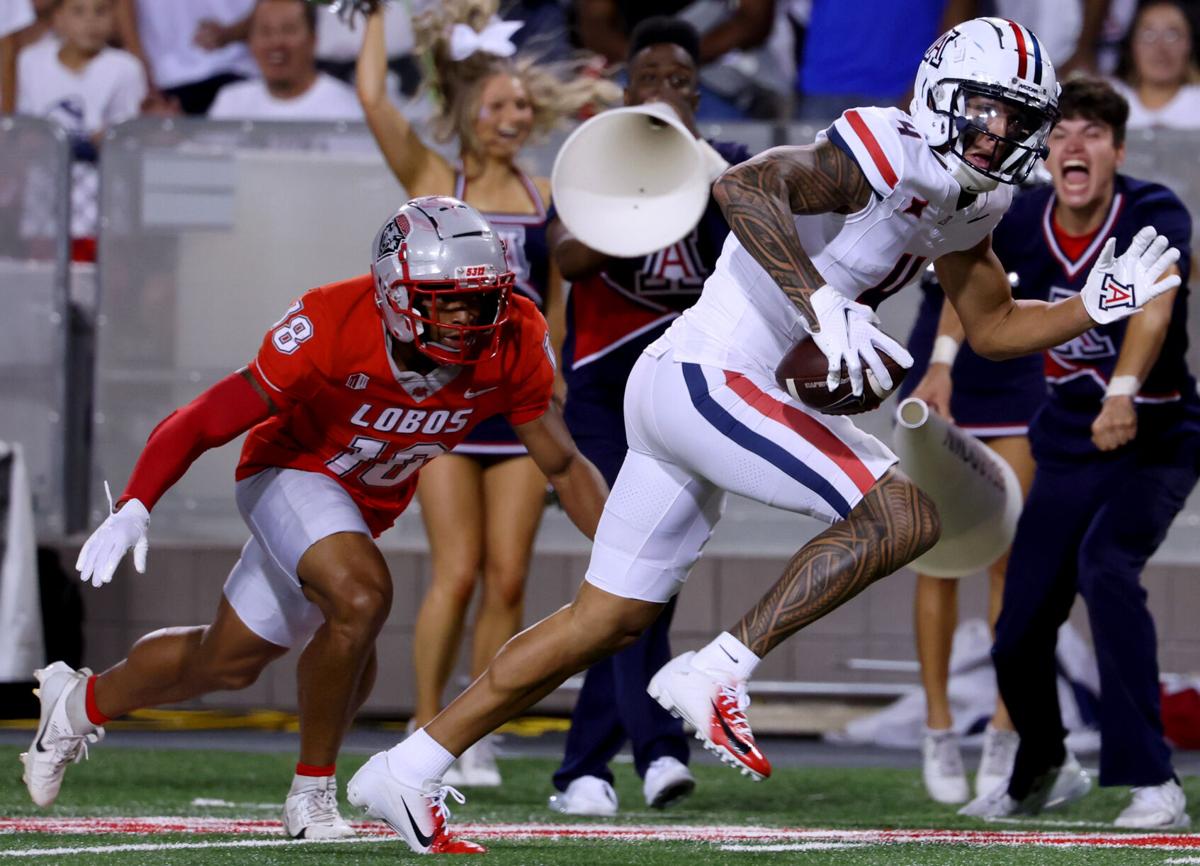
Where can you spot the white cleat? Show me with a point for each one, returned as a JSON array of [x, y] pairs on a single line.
[[942, 767], [996, 762], [1068, 783], [477, 766], [56, 742], [1156, 807], [418, 815], [587, 795], [668, 780], [1052, 790], [715, 708], [311, 810], [995, 804]]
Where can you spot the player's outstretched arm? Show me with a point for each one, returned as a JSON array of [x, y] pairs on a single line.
[[580, 486], [759, 197], [227, 409], [1000, 327]]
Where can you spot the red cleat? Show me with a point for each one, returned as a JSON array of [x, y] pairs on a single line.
[[716, 709], [418, 815], [454, 845]]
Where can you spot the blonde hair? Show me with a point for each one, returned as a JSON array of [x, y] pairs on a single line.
[[557, 91]]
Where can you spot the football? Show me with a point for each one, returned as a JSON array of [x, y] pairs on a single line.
[[802, 374]]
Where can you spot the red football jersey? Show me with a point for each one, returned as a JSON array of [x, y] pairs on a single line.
[[345, 409]]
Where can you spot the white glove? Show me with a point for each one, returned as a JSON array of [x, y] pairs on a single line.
[[848, 334], [103, 551], [1118, 287]]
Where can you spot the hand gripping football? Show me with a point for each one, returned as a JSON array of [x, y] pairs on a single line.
[[802, 374]]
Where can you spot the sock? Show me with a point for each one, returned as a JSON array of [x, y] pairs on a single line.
[[94, 715], [727, 655], [303, 769], [79, 711], [419, 758]]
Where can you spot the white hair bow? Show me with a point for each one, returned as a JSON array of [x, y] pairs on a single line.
[[495, 38]]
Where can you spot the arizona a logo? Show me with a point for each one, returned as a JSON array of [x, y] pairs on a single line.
[[1114, 295], [933, 55]]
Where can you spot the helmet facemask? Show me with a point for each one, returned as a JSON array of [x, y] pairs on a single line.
[[452, 322], [974, 112]]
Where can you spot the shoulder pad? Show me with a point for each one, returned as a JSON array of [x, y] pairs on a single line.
[[872, 138]]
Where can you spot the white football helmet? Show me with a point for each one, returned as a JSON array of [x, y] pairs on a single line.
[[437, 250], [980, 71]]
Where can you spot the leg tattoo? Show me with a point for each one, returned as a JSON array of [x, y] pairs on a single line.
[[893, 525]]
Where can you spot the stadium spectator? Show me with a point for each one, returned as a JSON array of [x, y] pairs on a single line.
[[735, 67], [482, 503], [283, 38], [1070, 30], [1158, 74], [189, 48], [992, 400], [544, 26], [86, 87], [860, 53], [339, 40], [616, 308], [14, 16], [1117, 444]]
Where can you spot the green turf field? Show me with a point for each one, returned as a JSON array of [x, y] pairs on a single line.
[[127, 784]]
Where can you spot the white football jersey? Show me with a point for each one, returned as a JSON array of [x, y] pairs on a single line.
[[743, 319]]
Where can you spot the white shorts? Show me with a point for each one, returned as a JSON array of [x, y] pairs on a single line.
[[288, 511], [697, 431]]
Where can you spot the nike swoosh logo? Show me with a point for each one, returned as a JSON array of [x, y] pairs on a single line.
[[37, 746], [742, 747], [425, 841], [732, 658], [470, 394]]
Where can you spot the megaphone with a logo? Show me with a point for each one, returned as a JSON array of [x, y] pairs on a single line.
[[976, 492], [633, 180]]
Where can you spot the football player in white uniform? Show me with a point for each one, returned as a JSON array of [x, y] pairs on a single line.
[[820, 233]]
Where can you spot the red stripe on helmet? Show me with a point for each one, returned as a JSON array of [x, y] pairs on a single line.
[[1022, 51]]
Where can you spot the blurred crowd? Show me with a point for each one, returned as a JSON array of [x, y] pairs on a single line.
[[92, 64], [760, 59]]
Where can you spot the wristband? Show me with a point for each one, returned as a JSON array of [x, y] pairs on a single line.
[[1122, 386], [945, 349]]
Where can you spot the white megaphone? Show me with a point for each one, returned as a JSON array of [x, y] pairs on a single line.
[[977, 493], [633, 180]]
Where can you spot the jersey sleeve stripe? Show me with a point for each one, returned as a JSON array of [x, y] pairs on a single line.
[[873, 149], [257, 370]]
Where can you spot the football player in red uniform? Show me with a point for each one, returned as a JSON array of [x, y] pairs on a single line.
[[359, 384]]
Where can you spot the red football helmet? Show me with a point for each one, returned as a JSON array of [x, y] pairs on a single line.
[[442, 281]]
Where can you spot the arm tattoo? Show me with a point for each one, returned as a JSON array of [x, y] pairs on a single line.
[[893, 525], [760, 196]]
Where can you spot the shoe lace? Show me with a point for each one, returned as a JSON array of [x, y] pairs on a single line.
[[437, 802], [1147, 796], [947, 756], [71, 747], [322, 806], [732, 701], [999, 749]]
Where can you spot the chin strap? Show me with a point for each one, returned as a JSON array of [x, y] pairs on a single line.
[[968, 178]]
